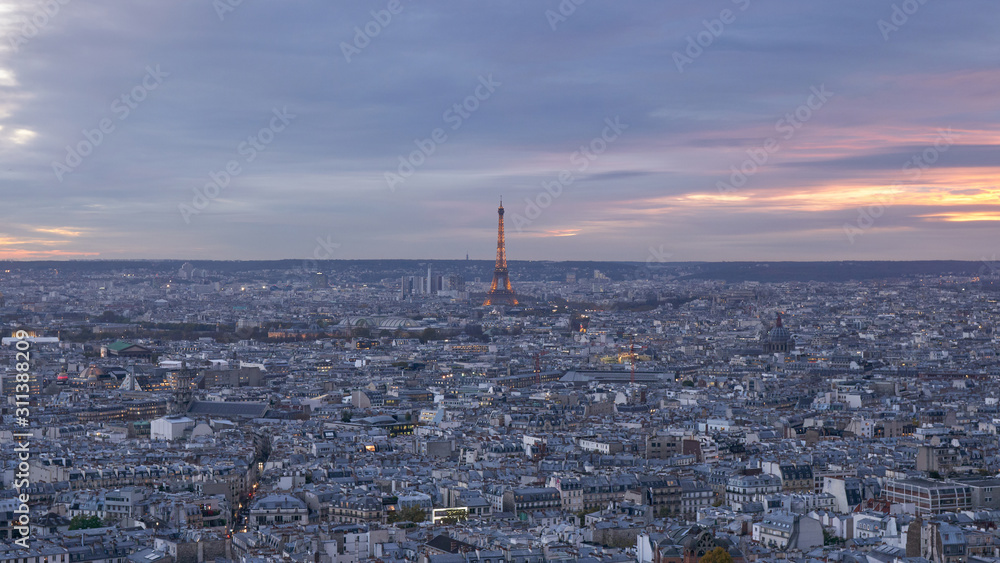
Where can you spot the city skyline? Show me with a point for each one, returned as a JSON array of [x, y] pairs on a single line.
[[735, 130]]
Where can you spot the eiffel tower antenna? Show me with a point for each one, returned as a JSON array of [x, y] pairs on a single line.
[[501, 293]]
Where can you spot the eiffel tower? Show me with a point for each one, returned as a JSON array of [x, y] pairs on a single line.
[[501, 293]]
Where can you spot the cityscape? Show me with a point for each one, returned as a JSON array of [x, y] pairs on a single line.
[[533, 281], [356, 411]]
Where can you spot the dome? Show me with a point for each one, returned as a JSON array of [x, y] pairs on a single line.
[[778, 339], [94, 373], [779, 334]]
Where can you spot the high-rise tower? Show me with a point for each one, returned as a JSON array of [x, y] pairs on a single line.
[[501, 293]]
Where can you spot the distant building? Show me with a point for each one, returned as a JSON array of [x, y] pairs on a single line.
[[98, 377], [522, 501], [122, 349], [930, 497], [278, 509], [779, 340], [366, 399], [785, 531], [937, 458], [170, 427]]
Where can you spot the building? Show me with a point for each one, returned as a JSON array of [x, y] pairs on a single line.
[[784, 531], [366, 399], [122, 349], [683, 544], [744, 489], [524, 500], [939, 459], [779, 340], [695, 496], [930, 497], [40, 551], [794, 478], [122, 504], [985, 492], [278, 509], [661, 493], [98, 377], [170, 427]]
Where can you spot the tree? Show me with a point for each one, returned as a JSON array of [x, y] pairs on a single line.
[[415, 514], [582, 515], [830, 538], [474, 330], [346, 416], [428, 334], [82, 522], [717, 555], [408, 514]]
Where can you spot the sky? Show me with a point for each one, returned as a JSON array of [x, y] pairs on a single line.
[[643, 130]]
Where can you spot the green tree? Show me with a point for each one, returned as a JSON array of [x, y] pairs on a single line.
[[408, 514], [717, 555], [829, 538], [346, 416], [582, 515], [428, 334], [82, 522]]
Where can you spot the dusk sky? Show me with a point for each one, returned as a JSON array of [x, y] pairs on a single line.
[[865, 129]]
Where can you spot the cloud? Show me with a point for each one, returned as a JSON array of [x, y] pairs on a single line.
[[324, 175]]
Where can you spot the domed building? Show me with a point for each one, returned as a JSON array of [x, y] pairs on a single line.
[[779, 340], [97, 377]]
